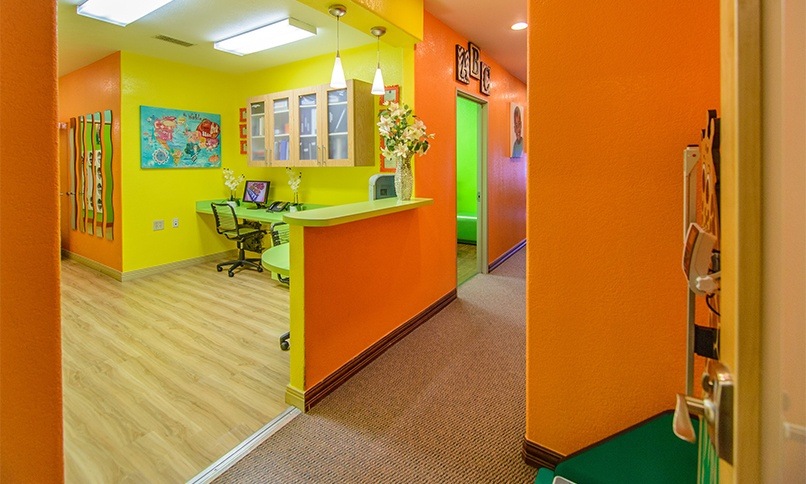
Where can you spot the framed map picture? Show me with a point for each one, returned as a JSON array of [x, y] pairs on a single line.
[[175, 138]]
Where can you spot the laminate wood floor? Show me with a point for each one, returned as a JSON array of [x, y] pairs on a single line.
[[165, 374], [465, 262]]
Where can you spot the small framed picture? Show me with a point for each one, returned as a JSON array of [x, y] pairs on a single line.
[[243, 146], [391, 94], [475, 60], [516, 118], [242, 115], [242, 127]]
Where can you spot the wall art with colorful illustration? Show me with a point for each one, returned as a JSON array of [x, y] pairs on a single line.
[[174, 138]]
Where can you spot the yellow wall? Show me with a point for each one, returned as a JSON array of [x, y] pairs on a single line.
[[30, 347], [150, 194]]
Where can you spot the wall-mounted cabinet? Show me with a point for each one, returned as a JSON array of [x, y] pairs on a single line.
[[314, 126]]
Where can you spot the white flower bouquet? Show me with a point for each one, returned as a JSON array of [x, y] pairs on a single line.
[[231, 181], [402, 133]]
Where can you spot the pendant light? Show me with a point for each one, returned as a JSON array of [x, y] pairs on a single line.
[[337, 78], [378, 87]]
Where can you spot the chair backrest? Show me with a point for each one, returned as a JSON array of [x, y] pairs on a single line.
[[279, 233], [225, 219]]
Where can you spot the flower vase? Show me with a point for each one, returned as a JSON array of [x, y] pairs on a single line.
[[404, 179]]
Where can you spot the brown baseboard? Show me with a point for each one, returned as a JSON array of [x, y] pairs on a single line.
[[536, 455], [322, 389], [497, 262]]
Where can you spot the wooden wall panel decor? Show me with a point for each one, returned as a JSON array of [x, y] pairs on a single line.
[[90, 173]]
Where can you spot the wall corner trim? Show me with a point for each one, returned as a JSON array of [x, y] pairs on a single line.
[[538, 456], [497, 262], [316, 393]]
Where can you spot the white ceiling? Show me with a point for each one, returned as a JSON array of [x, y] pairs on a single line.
[[201, 22]]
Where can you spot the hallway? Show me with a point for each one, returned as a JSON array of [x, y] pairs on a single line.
[[445, 404]]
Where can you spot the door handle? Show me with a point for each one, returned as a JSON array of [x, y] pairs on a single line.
[[716, 407]]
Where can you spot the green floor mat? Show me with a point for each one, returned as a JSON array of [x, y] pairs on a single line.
[[645, 453]]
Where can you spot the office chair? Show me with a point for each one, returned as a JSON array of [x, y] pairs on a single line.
[[279, 235], [247, 236]]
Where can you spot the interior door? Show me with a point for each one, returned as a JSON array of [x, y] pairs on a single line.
[[783, 385], [763, 198]]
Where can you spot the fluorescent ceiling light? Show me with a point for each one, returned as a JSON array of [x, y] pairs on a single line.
[[119, 12], [266, 37], [519, 26]]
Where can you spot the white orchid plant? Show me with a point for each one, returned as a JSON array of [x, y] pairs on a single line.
[[402, 133], [231, 181], [294, 179]]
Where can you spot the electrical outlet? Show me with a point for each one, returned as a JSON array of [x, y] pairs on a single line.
[[175, 223], [159, 224]]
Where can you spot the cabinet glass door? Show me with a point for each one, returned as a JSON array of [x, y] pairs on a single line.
[[308, 139], [337, 125], [257, 133], [281, 124]]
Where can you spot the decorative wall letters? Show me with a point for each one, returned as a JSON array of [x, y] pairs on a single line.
[[469, 64]]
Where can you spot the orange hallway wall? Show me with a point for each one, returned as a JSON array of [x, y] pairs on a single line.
[[30, 338], [611, 111], [435, 94], [92, 89]]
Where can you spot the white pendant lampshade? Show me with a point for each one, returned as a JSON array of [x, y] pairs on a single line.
[[378, 87], [337, 80]]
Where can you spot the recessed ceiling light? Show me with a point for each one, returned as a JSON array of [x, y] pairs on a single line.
[[118, 12], [519, 26], [262, 38]]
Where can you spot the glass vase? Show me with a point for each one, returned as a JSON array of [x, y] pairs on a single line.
[[404, 179]]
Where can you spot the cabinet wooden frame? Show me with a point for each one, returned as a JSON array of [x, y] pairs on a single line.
[[283, 145]]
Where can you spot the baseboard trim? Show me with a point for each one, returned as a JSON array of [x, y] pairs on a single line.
[[103, 269], [294, 396], [148, 271], [497, 262], [538, 456], [316, 393]]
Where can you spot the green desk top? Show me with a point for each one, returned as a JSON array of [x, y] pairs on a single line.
[[350, 212], [246, 213], [275, 259]]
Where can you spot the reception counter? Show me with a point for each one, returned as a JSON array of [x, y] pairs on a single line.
[[352, 212]]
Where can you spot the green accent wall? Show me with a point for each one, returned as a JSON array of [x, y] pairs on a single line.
[[467, 148]]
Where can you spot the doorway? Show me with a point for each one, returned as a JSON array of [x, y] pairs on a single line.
[[471, 187]]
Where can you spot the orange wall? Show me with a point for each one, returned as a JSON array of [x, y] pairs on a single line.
[[363, 280], [611, 111], [91, 89], [30, 341], [435, 94]]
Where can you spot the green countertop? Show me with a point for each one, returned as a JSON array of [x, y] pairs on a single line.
[[351, 212], [246, 212]]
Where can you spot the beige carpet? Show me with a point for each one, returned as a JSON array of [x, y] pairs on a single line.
[[444, 405]]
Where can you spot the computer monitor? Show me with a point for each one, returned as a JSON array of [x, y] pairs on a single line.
[[256, 191]]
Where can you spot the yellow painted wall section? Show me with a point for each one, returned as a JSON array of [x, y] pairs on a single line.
[[30, 346], [92, 89], [611, 110], [435, 173], [403, 19], [405, 14], [327, 185], [152, 194]]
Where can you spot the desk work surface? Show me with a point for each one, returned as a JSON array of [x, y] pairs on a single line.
[[276, 259], [244, 211], [351, 212]]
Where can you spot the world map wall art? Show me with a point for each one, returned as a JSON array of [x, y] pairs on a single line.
[[174, 138]]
